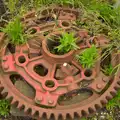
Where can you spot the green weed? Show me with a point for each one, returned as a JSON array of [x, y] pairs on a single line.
[[15, 31], [83, 119], [4, 108], [11, 4], [88, 57], [114, 102], [108, 70], [114, 34], [67, 43]]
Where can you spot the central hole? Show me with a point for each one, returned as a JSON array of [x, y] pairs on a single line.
[[49, 84], [65, 24], [21, 59], [88, 72], [52, 43]]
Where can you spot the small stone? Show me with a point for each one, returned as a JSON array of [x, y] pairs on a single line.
[[65, 64], [102, 117]]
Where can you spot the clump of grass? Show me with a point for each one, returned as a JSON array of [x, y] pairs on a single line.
[[88, 57], [67, 42], [94, 25], [114, 34], [108, 70], [83, 118], [106, 12], [114, 102], [4, 108], [15, 31], [11, 4]]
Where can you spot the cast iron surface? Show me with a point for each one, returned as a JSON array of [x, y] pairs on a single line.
[[50, 86]]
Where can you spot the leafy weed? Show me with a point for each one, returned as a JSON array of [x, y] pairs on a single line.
[[4, 108], [88, 57], [67, 43], [15, 31]]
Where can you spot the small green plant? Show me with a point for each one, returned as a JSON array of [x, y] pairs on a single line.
[[15, 32], [67, 43], [108, 70], [88, 57], [83, 119], [114, 102], [11, 4], [114, 34], [4, 108]]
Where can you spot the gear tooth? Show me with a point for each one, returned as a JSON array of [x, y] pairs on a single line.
[[33, 112], [48, 115], [64, 116], [25, 109], [40, 115], [72, 115], [100, 104], [19, 105]]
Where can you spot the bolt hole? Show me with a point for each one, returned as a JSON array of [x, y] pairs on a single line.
[[88, 72], [21, 59], [33, 31], [49, 84], [65, 24]]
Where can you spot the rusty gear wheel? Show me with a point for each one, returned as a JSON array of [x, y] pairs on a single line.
[[58, 86]]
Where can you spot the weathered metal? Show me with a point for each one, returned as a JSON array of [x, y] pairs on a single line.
[[59, 75]]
